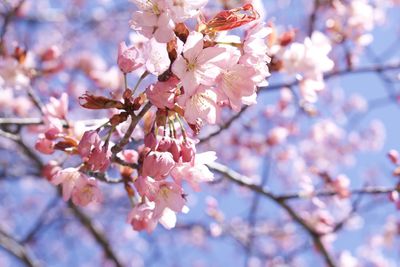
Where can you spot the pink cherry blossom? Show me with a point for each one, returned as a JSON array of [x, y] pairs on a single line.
[[86, 190], [162, 94], [157, 164], [164, 144], [184, 9], [88, 140], [128, 58], [44, 146], [156, 55], [130, 156], [150, 141], [169, 196], [202, 105], [141, 217], [197, 65], [153, 20], [99, 159], [256, 52], [196, 173], [57, 108], [95, 156], [147, 187], [52, 133], [309, 60], [236, 81], [67, 178]]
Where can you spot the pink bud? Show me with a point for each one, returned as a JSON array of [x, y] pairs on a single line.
[[50, 169], [89, 139], [158, 164], [51, 53], [175, 150], [52, 133], [128, 58], [164, 144], [393, 156], [150, 141], [44, 146], [188, 150], [99, 159], [394, 196], [130, 156]]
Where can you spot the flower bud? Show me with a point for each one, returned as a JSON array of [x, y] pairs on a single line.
[[128, 58]]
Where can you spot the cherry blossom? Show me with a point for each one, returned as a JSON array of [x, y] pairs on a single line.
[[68, 178], [86, 191], [197, 65]]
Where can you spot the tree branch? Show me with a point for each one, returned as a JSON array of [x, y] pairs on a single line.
[[134, 121], [96, 233], [246, 182], [19, 251], [346, 71]]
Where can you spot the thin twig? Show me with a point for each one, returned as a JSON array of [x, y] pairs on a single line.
[[225, 126], [19, 251]]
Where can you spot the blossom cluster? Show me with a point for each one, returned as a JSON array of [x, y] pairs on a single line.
[[199, 70]]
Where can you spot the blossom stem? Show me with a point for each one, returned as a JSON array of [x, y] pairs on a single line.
[[139, 81], [125, 81], [109, 135], [181, 125]]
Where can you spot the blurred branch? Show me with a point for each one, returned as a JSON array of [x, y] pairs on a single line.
[[7, 18], [363, 191], [252, 217], [20, 121], [347, 71], [246, 182], [313, 17], [19, 251], [85, 220], [40, 221], [224, 126], [96, 233]]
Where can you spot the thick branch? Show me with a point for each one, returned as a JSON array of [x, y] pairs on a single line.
[[134, 121]]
